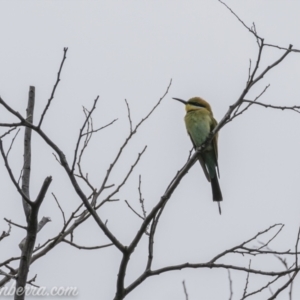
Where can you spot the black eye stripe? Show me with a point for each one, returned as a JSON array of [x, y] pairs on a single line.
[[196, 104]]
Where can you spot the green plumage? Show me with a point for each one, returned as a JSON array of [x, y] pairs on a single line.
[[199, 123]]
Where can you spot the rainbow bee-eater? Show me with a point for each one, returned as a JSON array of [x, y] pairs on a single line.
[[199, 122]]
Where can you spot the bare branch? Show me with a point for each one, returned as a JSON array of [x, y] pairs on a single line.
[[27, 151], [12, 142], [262, 74], [208, 265], [10, 124], [100, 128], [33, 280], [15, 113], [80, 133], [284, 286], [272, 238], [108, 172], [260, 49], [222, 266], [268, 285], [8, 132], [62, 212], [237, 113], [253, 31], [129, 117], [185, 291], [254, 251], [54, 88], [244, 243], [9, 260], [230, 285], [154, 108], [294, 108], [86, 248], [211, 264], [141, 203], [249, 70], [247, 282], [12, 270], [5, 233], [151, 236], [28, 246], [296, 247], [8, 275], [43, 191], [40, 225], [284, 262], [134, 210], [142, 200], [128, 173], [88, 137], [12, 176], [105, 201], [55, 156], [15, 224], [282, 48]]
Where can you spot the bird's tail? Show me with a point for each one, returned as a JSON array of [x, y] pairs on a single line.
[[216, 191]]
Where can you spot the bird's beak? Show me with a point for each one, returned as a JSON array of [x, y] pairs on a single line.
[[182, 101]]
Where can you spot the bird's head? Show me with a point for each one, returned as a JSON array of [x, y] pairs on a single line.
[[195, 103]]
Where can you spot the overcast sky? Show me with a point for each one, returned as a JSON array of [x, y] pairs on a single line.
[[131, 50]]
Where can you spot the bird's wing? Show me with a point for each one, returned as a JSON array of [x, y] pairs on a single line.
[[215, 143], [201, 161]]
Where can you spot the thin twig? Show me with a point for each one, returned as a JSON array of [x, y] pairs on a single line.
[[55, 156], [268, 285], [294, 108], [141, 199], [12, 142], [100, 128], [85, 145], [15, 224], [282, 48], [247, 281], [8, 275], [62, 212], [12, 176], [251, 30], [134, 131], [249, 70], [128, 173], [8, 132], [284, 286], [272, 238], [80, 134], [54, 88], [129, 116], [33, 280], [5, 233], [134, 210], [185, 290], [244, 243], [230, 285], [86, 248], [238, 113]]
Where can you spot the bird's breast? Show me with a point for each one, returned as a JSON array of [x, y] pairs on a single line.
[[198, 124]]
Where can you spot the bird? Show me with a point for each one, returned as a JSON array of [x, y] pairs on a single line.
[[199, 122]]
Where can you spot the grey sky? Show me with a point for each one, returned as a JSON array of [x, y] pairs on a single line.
[[131, 50]]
